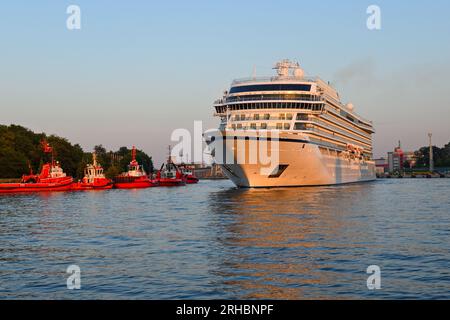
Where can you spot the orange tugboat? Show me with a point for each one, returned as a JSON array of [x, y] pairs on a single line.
[[169, 175], [135, 177], [94, 178], [51, 178]]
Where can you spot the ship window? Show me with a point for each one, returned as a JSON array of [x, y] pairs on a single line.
[[233, 126], [242, 117], [282, 116], [279, 126], [302, 116], [287, 126], [256, 116], [253, 126], [266, 116], [263, 125], [300, 126], [271, 87], [289, 116]]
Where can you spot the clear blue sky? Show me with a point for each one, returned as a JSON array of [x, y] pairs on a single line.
[[139, 69]]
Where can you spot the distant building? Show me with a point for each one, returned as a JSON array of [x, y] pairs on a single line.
[[396, 159], [411, 158], [381, 166], [393, 162], [210, 172]]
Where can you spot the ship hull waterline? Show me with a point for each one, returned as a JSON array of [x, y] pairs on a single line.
[[36, 187], [135, 185], [89, 186], [171, 182]]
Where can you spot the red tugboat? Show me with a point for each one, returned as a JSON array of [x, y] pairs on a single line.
[[51, 178], [188, 173], [135, 177], [169, 175], [94, 178]]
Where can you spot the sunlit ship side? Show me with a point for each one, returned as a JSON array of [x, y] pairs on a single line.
[[321, 140]]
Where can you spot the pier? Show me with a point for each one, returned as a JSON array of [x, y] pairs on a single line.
[[415, 175]]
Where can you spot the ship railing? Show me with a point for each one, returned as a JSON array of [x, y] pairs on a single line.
[[258, 128], [262, 119], [343, 132], [334, 137], [274, 79], [274, 98]]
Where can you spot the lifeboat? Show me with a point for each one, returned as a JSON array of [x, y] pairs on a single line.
[[94, 178], [188, 174], [51, 178], [135, 177]]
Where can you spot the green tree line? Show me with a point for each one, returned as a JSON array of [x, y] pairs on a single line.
[[20, 150], [441, 156]]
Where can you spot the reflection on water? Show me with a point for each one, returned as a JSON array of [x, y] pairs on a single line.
[[284, 242], [214, 241], [298, 243]]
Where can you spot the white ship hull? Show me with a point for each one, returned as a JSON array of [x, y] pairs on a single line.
[[305, 164], [320, 140]]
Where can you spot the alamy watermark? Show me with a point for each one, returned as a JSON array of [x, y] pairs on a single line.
[[73, 21], [246, 146], [374, 19], [374, 280], [74, 280]]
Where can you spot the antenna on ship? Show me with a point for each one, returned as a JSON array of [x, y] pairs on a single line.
[[133, 154], [284, 66], [94, 159], [170, 155], [47, 149]]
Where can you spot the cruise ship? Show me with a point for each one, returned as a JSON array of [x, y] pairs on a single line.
[[316, 138]]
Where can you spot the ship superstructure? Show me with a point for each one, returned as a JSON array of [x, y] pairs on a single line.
[[321, 140]]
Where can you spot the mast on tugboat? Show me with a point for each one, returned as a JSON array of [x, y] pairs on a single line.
[[48, 149]]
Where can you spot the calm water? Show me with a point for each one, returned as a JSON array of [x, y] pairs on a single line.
[[211, 241]]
